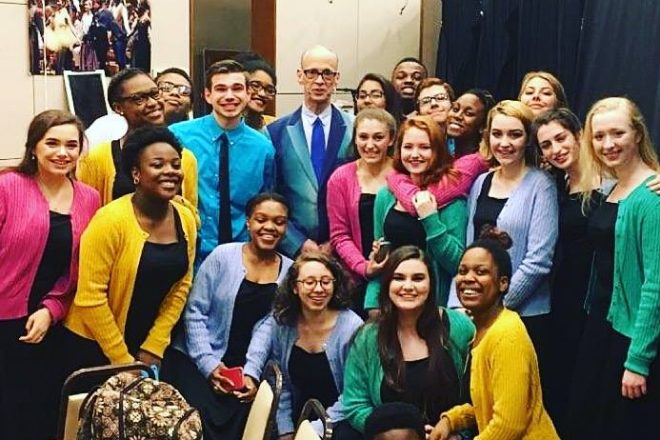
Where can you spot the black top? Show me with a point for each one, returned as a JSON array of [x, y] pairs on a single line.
[[122, 184], [488, 208], [601, 234], [415, 391], [366, 210], [574, 253], [312, 378], [160, 267], [253, 302], [55, 260], [401, 229]]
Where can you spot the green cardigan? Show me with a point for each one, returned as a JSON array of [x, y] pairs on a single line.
[[363, 373], [635, 308], [445, 243]]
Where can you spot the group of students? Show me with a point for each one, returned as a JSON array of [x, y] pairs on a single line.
[[450, 184]]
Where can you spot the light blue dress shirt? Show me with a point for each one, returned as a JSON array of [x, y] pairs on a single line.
[[251, 171]]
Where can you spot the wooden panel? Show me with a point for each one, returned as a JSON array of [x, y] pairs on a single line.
[[264, 29]]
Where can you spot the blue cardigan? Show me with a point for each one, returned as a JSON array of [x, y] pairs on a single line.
[[273, 341], [530, 217], [210, 308]]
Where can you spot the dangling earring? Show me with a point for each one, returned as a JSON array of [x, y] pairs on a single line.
[[136, 181]]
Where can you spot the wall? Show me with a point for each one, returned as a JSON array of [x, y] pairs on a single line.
[[368, 36], [25, 95]]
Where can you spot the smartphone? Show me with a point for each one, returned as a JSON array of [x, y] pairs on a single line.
[[235, 374], [384, 249]]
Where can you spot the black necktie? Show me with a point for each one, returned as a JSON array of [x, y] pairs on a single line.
[[224, 221]]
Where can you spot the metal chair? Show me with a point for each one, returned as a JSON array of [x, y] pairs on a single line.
[[305, 431], [261, 419]]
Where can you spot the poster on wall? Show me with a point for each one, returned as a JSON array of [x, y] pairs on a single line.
[[87, 35]]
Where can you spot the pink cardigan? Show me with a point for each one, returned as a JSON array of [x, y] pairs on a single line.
[[24, 227], [343, 203]]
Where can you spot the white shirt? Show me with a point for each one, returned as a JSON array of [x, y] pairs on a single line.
[[308, 119]]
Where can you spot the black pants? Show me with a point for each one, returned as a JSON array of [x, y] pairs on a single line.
[[29, 392]]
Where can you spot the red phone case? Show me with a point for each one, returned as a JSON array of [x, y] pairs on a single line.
[[235, 374]]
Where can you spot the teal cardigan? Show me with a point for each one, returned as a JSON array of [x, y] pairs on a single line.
[[445, 243], [363, 374], [635, 308]]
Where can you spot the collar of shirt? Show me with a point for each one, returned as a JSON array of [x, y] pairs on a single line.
[[215, 130], [308, 117]]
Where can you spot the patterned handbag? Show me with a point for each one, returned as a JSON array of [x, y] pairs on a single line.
[[127, 407]]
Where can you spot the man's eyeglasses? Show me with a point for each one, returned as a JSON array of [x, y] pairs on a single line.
[[179, 89], [374, 94], [258, 86], [141, 98], [439, 98], [311, 283], [327, 74]]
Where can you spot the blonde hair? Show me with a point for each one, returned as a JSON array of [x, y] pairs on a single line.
[[646, 151], [556, 85], [515, 109]]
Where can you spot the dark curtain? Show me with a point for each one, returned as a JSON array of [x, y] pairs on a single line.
[[459, 43], [597, 48], [619, 54]]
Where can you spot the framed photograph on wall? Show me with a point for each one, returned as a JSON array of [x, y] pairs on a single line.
[[87, 35]]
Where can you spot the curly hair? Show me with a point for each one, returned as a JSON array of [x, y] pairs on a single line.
[[287, 306], [141, 138]]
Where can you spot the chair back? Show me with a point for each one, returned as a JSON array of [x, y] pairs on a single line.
[[314, 407], [261, 419], [74, 403], [305, 431]]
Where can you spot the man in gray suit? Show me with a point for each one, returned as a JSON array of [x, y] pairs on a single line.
[[310, 144]]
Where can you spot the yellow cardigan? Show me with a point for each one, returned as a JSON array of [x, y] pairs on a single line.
[[505, 387], [97, 170], [110, 251]]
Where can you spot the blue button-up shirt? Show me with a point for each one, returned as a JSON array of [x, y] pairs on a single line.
[[251, 171]]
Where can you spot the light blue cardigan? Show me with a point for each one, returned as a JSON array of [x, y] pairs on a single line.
[[530, 217], [273, 341], [210, 308]]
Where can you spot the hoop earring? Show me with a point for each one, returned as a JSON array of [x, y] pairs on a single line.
[[136, 181]]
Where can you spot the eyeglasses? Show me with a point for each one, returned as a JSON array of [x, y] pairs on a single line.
[[311, 283], [141, 98], [374, 94], [258, 86], [439, 98], [179, 89], [327, 74]]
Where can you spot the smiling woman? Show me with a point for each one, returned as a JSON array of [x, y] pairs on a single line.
[[308, 334], [231, 296], [43, 212], [414, 352], [521, 200], [137, 258], [505, 387], [421, 153]]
